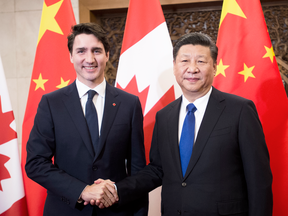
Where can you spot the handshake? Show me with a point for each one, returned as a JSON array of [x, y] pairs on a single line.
[[102, 193]]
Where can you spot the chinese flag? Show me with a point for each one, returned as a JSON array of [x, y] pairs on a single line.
[[52, 70], [12, 196], [146, 67], [247, 67]]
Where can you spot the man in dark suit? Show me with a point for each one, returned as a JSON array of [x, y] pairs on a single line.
[[113, 148], [228, 171]]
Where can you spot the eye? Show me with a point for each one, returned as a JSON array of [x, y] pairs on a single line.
[[97, 51]]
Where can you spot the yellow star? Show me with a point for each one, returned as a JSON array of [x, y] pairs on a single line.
[[232, 7], [269, 53], [221, 68], [63, 83], [48, 21], [247, 72], [40, 82]]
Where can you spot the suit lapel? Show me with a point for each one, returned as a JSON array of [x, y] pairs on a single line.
[[112, 104], [173, 125], [73, 105], [215, 107]]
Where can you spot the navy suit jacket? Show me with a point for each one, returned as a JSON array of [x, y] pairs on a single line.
[[60, 131], [228, 173]]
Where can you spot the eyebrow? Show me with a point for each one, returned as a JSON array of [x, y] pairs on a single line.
[[80, 48], [189, 55], [85, 48], [185, 55], [97, 48]]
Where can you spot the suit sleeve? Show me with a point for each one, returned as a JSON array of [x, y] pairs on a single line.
[[145, 180], [256, 162], [41, 148], [137, 160]]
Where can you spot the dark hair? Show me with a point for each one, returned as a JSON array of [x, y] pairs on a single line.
[[88, 28], [196, 38]]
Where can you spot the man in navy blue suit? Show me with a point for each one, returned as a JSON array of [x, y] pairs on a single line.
[[228, 172], [61, 132]]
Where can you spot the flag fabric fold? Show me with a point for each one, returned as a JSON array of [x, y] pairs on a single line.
[[247, 67], [12, 196], [52, 70], [146, 68]]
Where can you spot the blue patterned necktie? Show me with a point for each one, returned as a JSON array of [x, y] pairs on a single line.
[[92, 119], [187, 137]]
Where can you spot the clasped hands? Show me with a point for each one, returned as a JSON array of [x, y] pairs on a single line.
[[102, 193]]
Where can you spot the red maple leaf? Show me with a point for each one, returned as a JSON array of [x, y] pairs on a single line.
[[7, 133], [149, 118], [4, 174], [132, 88]]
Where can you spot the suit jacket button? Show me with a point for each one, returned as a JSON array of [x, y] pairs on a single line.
[[179, 212], [184, 184], [94, 168]]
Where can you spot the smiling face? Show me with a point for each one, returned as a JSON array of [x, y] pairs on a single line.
[[194, 70], [89, 59]]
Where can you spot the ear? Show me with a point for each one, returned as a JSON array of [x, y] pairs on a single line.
[[215, 68], [174, 63], [71, 59], [107, 56]]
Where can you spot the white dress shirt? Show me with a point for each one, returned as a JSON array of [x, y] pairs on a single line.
[[200, 104], [98, 99]]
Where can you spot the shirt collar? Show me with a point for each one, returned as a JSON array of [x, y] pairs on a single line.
[[82, 88], [200, 103]]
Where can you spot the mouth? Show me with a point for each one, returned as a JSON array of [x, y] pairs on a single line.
[[192, 79], [89, 67]]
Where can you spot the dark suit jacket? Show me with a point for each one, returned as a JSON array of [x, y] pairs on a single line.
[[229, 171], [60, 131]]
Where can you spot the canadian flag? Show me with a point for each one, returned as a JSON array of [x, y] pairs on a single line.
[[146, 68], [12, 197]]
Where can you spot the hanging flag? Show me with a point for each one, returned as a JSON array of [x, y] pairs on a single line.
[[146, 68], [12, 196], [146, 63], [52, 70], [247, 67]]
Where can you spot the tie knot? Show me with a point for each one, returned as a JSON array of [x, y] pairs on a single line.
[[91, 94], [191, 108]]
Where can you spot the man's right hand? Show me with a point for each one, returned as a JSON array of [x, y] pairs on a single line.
[[102, 193]]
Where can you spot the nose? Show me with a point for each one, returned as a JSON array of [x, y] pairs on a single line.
[[90, 57], [192, 68]]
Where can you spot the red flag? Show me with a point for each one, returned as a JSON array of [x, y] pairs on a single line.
[[12, 196], [146, 67], [52, 70], [247, 67]]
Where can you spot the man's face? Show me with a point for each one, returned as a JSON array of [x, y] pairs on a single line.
[[89, 59], [194, 70]]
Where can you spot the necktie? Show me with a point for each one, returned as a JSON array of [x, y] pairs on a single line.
[[187, 137], [92, 119]]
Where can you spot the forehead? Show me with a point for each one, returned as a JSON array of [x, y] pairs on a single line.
[[194, 51], [86, 40]]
